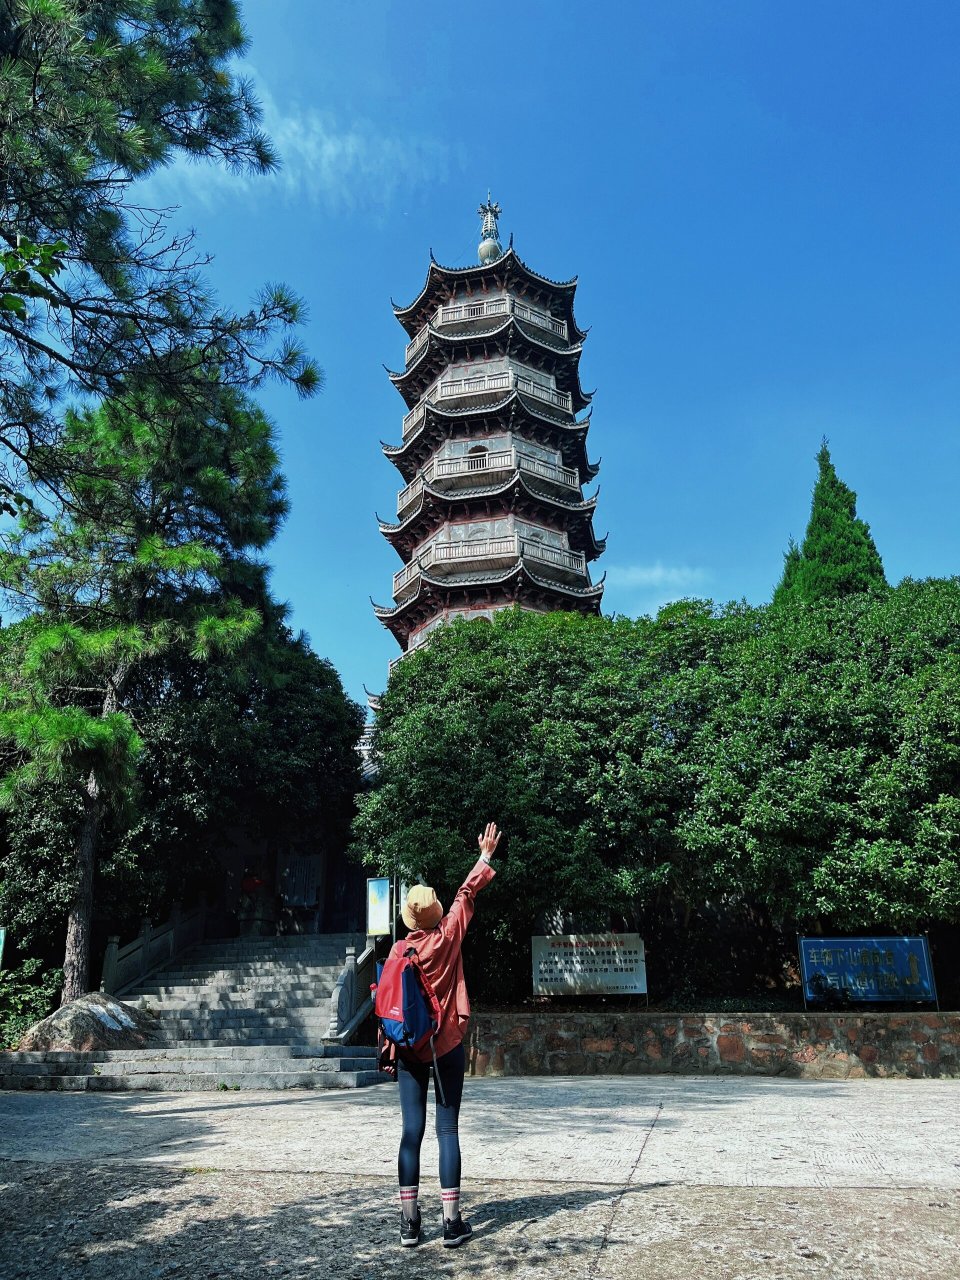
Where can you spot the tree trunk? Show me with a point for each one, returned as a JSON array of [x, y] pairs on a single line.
[[76, 960]]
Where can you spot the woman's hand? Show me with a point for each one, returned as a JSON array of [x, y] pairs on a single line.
[[489, 840]]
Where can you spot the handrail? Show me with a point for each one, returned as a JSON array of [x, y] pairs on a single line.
[[498, 460], [513, 546], [480, 384], [464, 312], [125, 967], [351, 992]]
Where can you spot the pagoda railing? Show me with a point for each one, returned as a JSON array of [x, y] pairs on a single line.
[[482, 384], [473, 463], [464, 312], [509, 548]]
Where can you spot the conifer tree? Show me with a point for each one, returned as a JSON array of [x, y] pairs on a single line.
[[155, 550], [93, 286], [838, 556]]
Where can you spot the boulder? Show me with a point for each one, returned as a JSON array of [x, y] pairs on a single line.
[[94, 1021]]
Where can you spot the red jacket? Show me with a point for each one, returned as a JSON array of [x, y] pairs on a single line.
[[439, 952]]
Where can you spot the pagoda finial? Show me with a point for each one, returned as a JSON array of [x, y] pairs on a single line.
[[490, 249]]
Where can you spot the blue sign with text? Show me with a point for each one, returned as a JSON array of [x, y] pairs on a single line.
[[867, 969]]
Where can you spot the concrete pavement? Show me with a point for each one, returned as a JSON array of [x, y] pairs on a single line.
[[588, 1177]]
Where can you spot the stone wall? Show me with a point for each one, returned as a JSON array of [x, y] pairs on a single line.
[[812, 1045]]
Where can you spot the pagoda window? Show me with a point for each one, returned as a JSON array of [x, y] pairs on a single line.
[[536, 533]]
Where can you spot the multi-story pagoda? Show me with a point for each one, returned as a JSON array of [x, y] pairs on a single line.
[[493, 455]]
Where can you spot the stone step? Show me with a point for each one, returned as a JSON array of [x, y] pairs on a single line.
[[265, 969], [254, 986], [196, 1081], [288, 941], [189, 1050], [151, 1065], [250, 1036], [309, 1016], [172, 998]]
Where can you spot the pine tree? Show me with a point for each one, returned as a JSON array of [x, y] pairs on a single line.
[[838, 556], [93, 287], [155, 551]]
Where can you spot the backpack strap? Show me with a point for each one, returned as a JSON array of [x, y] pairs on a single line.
[[412, 951]]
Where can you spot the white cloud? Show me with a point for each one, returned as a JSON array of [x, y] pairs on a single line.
[[325, 162], [636, 589], [655, 575]]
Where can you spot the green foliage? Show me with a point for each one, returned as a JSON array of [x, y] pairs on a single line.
[[838, 556], [249, 746], [27, 994], [261, 745], [154, 551], [95, 289], [805, 761]]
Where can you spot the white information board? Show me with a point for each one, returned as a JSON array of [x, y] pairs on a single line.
[[378, 907], [589, 964]]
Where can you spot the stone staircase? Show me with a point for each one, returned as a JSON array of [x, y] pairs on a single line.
[[242, 1013]]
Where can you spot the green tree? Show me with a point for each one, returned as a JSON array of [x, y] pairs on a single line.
[[157, 551], [797, 767], [93, 95], [255, 745], [838, 556]]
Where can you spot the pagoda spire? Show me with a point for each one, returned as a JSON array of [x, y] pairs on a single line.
[[490, 248]]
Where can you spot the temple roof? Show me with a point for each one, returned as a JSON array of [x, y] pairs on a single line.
[[507, 270], [571, 515], [569, 437], [509, 337], [518, 580]]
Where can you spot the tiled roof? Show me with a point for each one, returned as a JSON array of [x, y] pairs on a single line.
[[491, 579]]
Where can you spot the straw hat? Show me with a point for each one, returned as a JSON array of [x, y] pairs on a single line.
[[422, 910]]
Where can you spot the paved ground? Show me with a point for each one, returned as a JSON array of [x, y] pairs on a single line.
[[659, 1177]]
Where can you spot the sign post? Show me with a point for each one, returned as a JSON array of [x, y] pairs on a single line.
[[589, 964], [867, 970], [378, 907]]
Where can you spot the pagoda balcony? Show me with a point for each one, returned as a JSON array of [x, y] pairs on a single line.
[[492, 553], [480, 466], [485, 384], [468, 312]]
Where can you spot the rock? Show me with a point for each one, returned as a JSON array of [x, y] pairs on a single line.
[[94, 1021]]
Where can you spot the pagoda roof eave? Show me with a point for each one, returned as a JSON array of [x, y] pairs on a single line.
[[529, 404], [592, 592], [585, 506], [439, 337], [436, 273]]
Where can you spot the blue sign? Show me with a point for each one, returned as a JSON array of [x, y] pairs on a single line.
[[867, 969]]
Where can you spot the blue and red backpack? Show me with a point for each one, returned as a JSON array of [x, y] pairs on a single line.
[[407, 1010]]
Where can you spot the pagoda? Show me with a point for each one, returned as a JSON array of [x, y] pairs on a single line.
[[493, 455]]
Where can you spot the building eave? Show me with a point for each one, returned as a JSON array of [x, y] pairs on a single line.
[[510, 260]]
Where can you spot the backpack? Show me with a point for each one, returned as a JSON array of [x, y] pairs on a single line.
[[407, 1010]]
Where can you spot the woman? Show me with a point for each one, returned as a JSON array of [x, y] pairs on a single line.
[[437, 939]]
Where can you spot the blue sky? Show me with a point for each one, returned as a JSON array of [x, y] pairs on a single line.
[[761, 201]]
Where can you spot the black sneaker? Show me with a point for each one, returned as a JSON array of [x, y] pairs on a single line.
[[410, 1229], [455, 1231]]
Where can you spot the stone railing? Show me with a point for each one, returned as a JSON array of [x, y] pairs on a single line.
[[464, 312], [483, 384], [124, 967], [506, 549], [500, 460], [351, 1002]]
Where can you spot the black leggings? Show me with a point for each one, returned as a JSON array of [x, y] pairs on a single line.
[[413, 1078]]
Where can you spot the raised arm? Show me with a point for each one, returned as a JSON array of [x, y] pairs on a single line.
[[454, 924]]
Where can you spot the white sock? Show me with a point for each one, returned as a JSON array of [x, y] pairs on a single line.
[[451, 1202], [408, 1202]]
